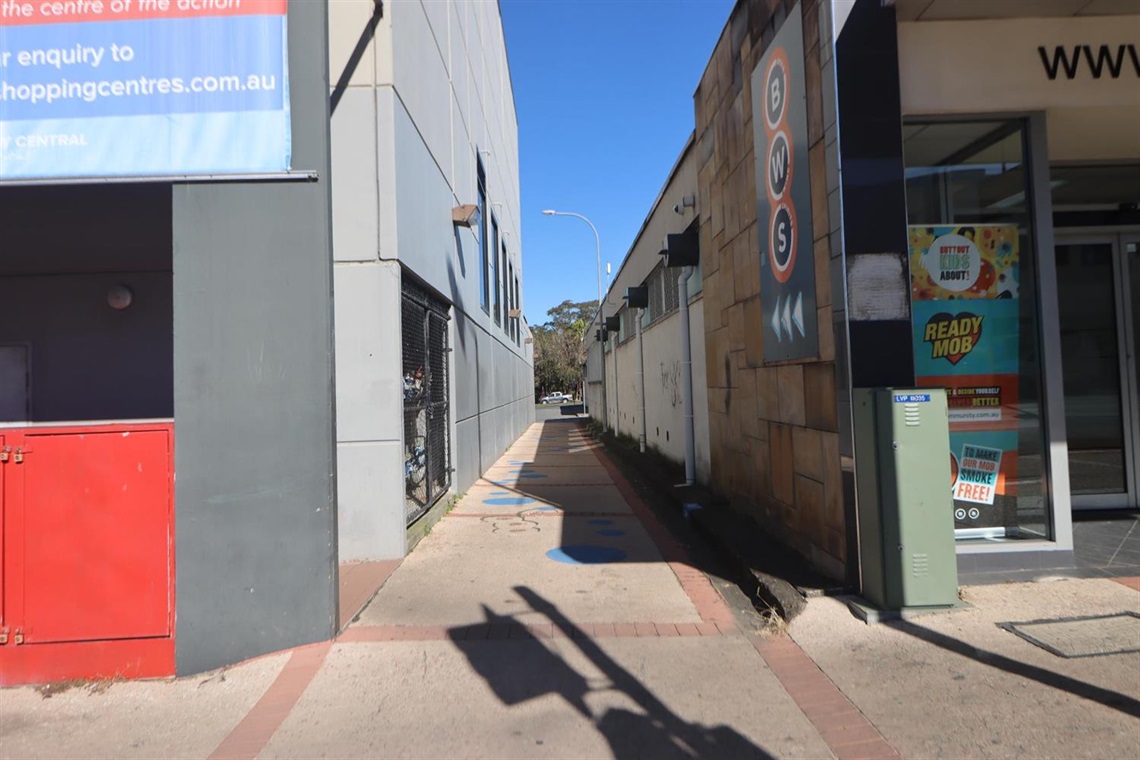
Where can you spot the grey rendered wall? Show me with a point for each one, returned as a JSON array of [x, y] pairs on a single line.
[[253, 395], [420, 87], [453, 102], [370, 503]]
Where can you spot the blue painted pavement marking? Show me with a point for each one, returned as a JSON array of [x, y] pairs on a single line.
[[586, 555], [509, 501]]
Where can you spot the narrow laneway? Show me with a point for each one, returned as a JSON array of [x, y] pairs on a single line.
[[546, 616]]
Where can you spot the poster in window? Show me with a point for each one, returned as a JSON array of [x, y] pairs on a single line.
[[965, 321]]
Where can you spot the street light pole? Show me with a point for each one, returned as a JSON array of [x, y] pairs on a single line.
[[597, 243], [601, 320]]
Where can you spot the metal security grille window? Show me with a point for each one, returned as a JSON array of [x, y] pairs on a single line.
[[662, 284], [427, 466], [628, 327]]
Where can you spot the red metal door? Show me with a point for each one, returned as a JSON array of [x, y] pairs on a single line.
[[97, 535], [5, 455]]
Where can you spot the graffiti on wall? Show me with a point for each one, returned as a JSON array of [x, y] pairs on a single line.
[[671, 382]]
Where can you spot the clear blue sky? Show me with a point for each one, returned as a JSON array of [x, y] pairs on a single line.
[[604, 94]]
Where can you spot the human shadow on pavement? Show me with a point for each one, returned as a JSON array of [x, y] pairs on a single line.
[[524, 668], [1113, 699]]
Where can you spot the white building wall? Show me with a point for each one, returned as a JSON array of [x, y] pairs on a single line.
[[429, 92], [664, 414]]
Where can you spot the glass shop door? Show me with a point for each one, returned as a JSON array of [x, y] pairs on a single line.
[[1098, 279]]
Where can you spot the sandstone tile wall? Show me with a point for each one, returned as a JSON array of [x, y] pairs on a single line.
[[773, 429]]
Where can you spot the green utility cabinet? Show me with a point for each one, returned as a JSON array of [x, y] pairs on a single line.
[[906, 508]]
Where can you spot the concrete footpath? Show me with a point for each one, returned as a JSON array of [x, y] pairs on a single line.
[[549, 615]]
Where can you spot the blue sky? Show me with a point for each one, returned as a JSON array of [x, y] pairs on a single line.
[[604, 94]]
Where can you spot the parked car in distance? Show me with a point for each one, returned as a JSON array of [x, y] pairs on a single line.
[[556, 398]]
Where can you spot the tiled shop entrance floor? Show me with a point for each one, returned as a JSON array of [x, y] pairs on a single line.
[[1107, 544]]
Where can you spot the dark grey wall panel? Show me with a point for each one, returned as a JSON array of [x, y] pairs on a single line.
[[61, 249], [71, 229], [253, 401], [90, 362]]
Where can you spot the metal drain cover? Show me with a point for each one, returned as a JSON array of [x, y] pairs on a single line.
[[1117, 633]]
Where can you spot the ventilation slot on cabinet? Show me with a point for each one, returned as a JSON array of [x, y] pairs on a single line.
[[911, 415]]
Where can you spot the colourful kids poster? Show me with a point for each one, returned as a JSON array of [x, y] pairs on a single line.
[[965, 323]]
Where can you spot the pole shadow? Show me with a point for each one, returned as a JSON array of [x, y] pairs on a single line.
[[523, 668], [366, 36]]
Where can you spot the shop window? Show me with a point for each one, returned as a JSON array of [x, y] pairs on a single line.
[[974, 312]]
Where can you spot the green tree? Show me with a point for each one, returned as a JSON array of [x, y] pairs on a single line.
[[558, 348]]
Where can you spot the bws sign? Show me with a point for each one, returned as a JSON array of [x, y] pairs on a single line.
[[787, 268], [782, 230]]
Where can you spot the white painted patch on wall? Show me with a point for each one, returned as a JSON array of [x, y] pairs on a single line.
[[877, 287], [840, 10]]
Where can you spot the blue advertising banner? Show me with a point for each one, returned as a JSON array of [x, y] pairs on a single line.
[[138, 88]]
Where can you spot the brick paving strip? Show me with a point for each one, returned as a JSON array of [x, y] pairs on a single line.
[[1132, 583], [252, 734], [847, 732], [505, 631]]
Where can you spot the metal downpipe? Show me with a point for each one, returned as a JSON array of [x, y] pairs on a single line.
[[641, 378], [687, 375]]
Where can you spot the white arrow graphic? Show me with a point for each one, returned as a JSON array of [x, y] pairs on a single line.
[[776, 321], [798, 314], [787, 319]]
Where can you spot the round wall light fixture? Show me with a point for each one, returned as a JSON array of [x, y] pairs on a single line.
[[120, 297]]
